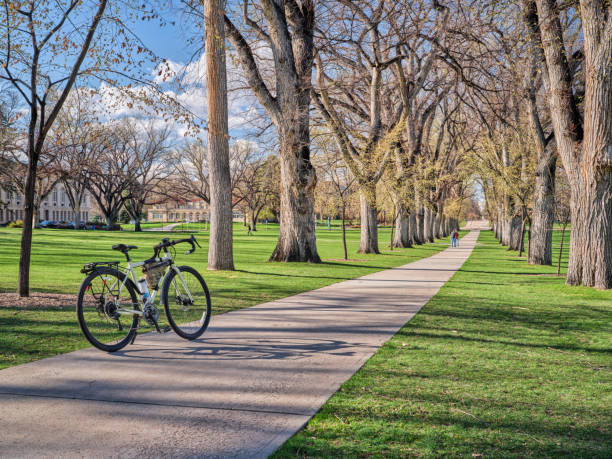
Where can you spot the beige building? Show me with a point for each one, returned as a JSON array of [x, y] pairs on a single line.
[[195, 210], [192, 211], [55, 206]]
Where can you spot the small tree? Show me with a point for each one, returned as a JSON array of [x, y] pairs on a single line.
[[149, 169], [109, 179], [258, 181], [338, 178], [33, 36]]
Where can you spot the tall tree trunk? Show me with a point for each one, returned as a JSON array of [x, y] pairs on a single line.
[[137, 227], [585, 145], [401, 238], [540, 230], [220, 250], [369, 228]]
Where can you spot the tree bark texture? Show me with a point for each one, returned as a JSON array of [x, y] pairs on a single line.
[[296, 241], [220, 245], [437, 227], [401, 238], [420, 228], [514, 241], [412, 228], [26, 233], [369, 229], [540, 230], [431, 217]]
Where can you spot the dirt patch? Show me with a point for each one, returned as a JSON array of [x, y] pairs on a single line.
[[342, 259], [38, 300]]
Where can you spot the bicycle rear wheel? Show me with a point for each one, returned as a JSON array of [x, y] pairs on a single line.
[[186, 302], [100, 298]]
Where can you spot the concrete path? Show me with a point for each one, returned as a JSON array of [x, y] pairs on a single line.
[[164, 228], [254, 379], [481, 225]]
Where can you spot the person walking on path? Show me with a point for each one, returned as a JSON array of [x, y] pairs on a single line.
[[455, 239]]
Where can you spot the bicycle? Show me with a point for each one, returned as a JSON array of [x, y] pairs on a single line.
[[110, 294]]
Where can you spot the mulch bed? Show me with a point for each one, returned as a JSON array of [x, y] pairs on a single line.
[[38, 300]]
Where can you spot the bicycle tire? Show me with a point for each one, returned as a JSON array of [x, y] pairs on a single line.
[[93, 313], [189, 321]]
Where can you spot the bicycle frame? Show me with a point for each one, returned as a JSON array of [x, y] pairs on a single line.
[[153, 293]]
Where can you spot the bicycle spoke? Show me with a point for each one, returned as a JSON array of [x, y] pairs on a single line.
[[187, 303], [98, 310]]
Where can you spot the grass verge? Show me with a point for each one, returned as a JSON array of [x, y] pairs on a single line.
[[505, 361]]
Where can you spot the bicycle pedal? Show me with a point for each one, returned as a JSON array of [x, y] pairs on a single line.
[[166, 329]]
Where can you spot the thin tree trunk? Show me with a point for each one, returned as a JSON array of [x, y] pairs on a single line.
[[220, 250], [26, 233], [344, 230], [522, 241], [561, 248], [392, 230]]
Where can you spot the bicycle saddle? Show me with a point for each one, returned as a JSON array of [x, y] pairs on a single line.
[[124, 248]]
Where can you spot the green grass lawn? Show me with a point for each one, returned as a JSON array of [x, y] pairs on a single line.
[[505, 361], [58, 255], [130, 227]]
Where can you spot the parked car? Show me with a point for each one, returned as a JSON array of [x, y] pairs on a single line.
[[48, 224], [81, 224]]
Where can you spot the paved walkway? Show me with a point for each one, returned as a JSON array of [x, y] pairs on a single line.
[[253, 380], [164, 228], [477, 225]]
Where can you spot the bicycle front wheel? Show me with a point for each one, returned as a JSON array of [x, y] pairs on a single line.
[[100, 305], [186, 302]]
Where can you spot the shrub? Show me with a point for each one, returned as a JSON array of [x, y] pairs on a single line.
[[16, 224]]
